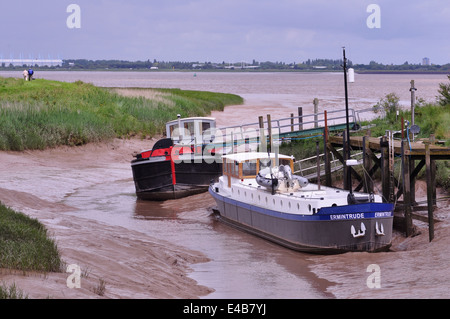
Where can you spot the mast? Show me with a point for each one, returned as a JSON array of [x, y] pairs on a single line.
[[347, 155]]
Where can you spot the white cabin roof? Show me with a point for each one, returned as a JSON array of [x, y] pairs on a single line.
[[247, 156], [194, 118]]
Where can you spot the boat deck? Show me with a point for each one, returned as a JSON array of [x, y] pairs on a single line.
[[301, 201]]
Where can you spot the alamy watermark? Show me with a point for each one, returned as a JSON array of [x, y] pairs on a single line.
[[374, 19], [74, 19], [74, 279], [374, 279], [213, 143]]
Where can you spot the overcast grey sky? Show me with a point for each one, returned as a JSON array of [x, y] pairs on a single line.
[[227, 30]]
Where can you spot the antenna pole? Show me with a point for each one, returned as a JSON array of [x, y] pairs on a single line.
[[347, 155]]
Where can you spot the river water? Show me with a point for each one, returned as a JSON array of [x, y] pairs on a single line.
[[244, 266]]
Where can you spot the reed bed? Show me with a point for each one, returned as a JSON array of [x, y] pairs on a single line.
[[41, 113]]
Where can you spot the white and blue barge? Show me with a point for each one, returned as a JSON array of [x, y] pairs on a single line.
[[258, 193]]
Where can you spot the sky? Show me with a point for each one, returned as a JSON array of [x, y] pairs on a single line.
[[384, 31]]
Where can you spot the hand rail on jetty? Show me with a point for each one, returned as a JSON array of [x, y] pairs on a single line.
[[285, 128]]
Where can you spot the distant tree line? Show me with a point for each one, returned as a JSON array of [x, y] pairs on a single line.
[[308, 65]]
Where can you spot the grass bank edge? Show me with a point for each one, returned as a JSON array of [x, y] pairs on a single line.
[[43, 113]]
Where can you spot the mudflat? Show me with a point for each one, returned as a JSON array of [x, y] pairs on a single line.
[[115, 262]]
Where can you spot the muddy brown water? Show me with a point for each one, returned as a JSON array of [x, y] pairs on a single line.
[[239, 265]]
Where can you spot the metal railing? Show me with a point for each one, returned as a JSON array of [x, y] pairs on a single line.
[[312, 167], [285, 125]]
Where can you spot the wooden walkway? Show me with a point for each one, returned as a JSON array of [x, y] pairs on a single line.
[[414, 149], [414, 156]]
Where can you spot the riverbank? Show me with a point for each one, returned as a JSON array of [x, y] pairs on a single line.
[[133, 264], [128, 263], [42, 113]]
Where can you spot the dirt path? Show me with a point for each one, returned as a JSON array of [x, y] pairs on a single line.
[[126, 263]]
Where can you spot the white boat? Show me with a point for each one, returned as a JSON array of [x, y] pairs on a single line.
[[258, 193]]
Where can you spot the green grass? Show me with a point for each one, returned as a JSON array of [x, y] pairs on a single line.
[[42, 113], [431, 118], [24, 244], [11, 292]]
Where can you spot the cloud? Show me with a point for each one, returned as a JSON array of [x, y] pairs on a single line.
[[219, 30]]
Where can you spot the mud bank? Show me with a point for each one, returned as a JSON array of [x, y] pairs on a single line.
[[126, 263], [413, 268]]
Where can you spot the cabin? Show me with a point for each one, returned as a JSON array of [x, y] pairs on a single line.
[[193, 129], [247, 165]]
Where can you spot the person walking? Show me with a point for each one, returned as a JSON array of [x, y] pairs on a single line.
[[30, 74]]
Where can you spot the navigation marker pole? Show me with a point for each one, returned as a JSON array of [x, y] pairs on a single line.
[[348, 176]]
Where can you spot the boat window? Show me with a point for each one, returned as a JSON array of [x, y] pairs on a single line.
[[190, 127], [172, 128], [285, 161], [263, 163], [205, 126], [234, 168], [249, 168]]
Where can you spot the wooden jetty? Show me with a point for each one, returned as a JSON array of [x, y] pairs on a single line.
[[379, 154]]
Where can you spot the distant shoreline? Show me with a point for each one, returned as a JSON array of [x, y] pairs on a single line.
[[230, 71]]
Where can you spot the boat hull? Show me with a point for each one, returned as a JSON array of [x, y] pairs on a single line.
[[160, 179], [330, 231]]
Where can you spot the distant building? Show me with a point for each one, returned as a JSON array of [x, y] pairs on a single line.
[[31, 62], [426, 61]]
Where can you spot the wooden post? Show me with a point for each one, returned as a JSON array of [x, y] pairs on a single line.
[[262, 136], [368, 185], [318, 165], [433, 169], [384, 169], [232, 142], [326, 152], [429, 192], [300, 119], [413, 101], [345, 157], [406, 190], [292, 122], [269, 128], [316, 110]]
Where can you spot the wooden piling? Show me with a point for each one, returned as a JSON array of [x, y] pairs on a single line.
[[318, 164], [327, 153], [316, 111], [262, 136], [292, 122], [430, 183], [347, 169], [300, 118], [368, 183], [384, 160], [406, 190], [269, 128]]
